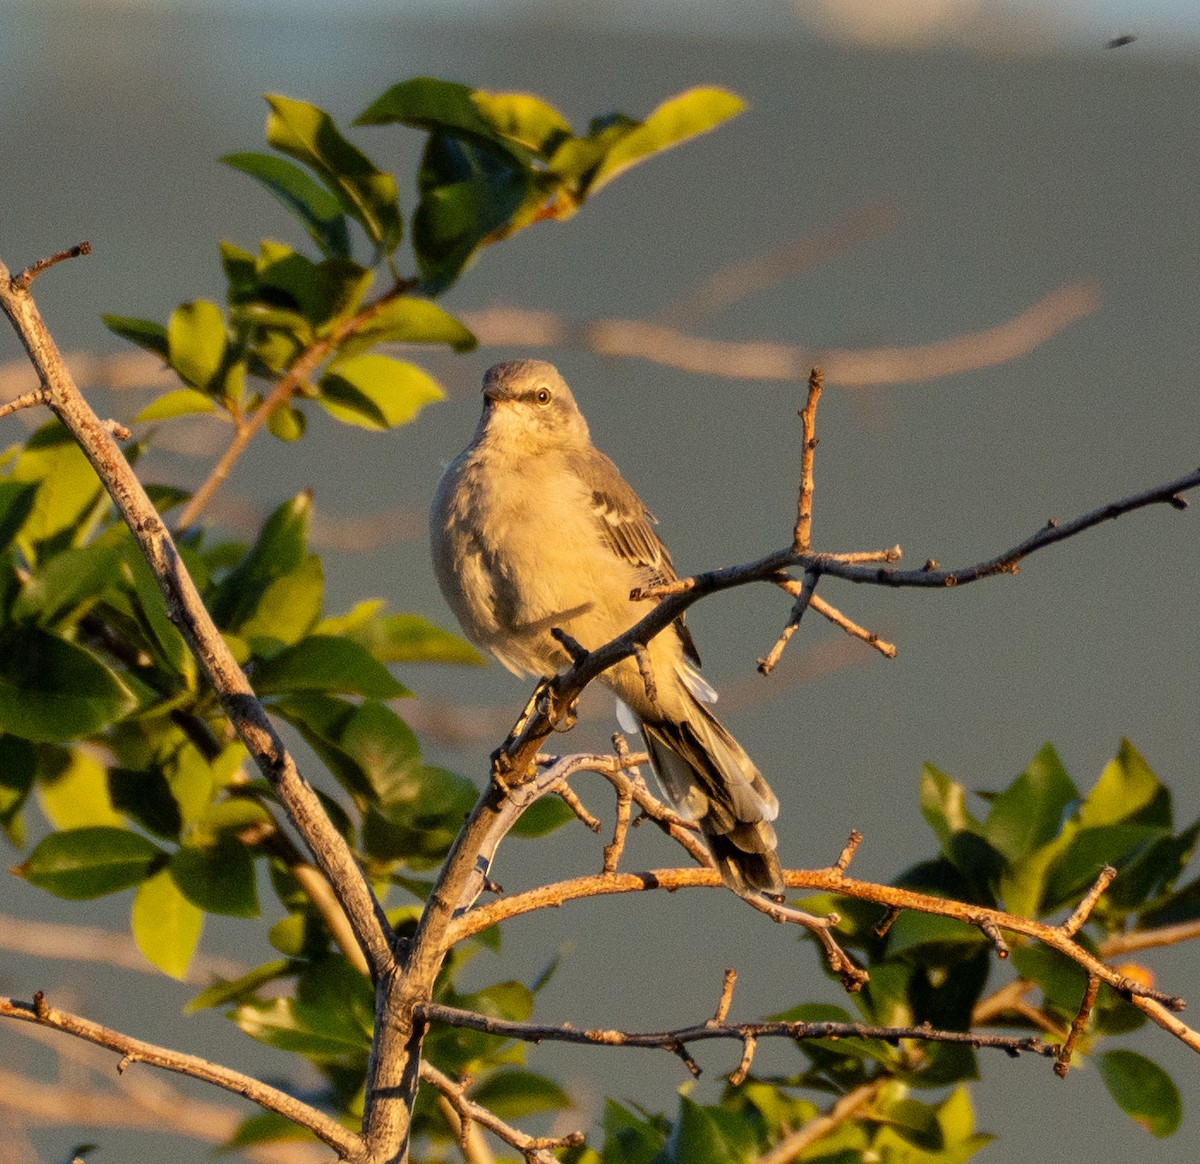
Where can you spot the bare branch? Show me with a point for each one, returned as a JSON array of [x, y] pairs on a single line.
[[673, 1040], [802, 538], [346, 1143], [535, 1149], [22, 281]]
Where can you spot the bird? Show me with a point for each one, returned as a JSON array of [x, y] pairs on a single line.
[[534, 530]]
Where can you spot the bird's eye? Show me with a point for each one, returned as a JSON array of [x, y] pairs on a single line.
[[542, 396]]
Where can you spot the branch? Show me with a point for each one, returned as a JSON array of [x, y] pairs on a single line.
[[346, 1143], [535, 1149], [186, 609], [673, 1040]]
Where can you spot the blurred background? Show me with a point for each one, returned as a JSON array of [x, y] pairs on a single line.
[[978, 216]]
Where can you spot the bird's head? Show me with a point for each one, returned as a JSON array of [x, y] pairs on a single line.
[[528, 402]]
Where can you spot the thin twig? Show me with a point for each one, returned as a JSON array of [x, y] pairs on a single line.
[[1063, 1059], [22, 281], [673, 1040], [533, 1148], [726, 999], [802, 538], [39, 1011]]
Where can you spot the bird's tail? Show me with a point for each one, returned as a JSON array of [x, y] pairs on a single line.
[[708, 778]]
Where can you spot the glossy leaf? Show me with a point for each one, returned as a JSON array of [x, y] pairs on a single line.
[[316, 208], [376, 392], [400, 638], [310, 135], [197, 343], [677, 119], [406, 319], [944, 805], [224, 991], [145, 796], [323, 293], [543, 816], [322, 663], [305, 1030], [1089, 852], [179, 402], [1030, 812], [73, 790], [1127, 791], [696, 1138], [144, 332], [81, 864], [54, 690], [219, 879], [166, 926], [537, 125], [1143, 1090], [67, 486], [64, 581], [290, 606], [18, 767], [281, 548], [16, 503], [432, 104]]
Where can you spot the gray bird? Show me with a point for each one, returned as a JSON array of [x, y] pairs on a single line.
[[533, 528]]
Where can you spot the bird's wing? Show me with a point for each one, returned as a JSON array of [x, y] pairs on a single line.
[[627, 527]]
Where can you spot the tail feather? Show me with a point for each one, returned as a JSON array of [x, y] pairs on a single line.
[[708, 778]]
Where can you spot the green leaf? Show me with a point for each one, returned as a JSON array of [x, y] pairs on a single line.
[[322, 663], [145, 796], [290, 606], [944, 806], [1143, 1091], [311, 136], [65, 581], [543, 816], [677, 119], [280, 550], [287, 423], [219, 879], [18, 767], [197, 343], [224, 990], [432, 104], [144, 332], [267, 1127], [324, 293], [1029, 813], [1088, 853], [312, 1031], [1127, 791], [633, 1140], [408, 320], [179, 402], [913, 930], [16, 503], [526, 119], [166, 926], [513, 1093], [696, 1138], [67, 486], [52, 690], [376, 392], [74, 790], [400, 638], [322, 720], [81, 864], [317, 209]]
